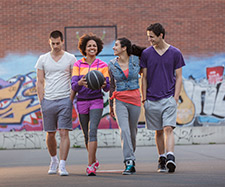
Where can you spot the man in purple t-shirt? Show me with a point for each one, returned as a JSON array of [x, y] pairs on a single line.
[[161, 64]]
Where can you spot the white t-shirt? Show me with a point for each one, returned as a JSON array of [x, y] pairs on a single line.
[[57, 75]]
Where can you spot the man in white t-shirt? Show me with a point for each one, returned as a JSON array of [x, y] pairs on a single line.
[[54, 71]]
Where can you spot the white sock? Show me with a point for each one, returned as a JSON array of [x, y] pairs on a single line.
[[171, 153], [162, 155], [54, 158], [62, 164]]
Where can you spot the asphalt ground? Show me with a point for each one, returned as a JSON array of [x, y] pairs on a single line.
[[197, 165]]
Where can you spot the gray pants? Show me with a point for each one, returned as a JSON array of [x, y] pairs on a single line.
[[90, 131], [127, 116]]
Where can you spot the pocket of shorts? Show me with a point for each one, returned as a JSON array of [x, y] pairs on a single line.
[[145, 103], [173, 101], [71, 102]]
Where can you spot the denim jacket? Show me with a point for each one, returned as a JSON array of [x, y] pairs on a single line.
[[118, 81]]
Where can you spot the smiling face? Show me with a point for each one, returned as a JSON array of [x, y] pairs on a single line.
[[91, 48], [153, 39], [118, 49]]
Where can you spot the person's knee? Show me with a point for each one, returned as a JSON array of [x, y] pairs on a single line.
[[51, 135], [93, 135], [64, 133], [93, 139], [124, 129], [159, 133], [168, 130]]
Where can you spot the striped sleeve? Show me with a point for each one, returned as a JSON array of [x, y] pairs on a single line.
[[76, 77], [103, 67]]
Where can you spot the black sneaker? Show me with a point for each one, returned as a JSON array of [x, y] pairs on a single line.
[[162, 164], [129, 167], [170, 163]]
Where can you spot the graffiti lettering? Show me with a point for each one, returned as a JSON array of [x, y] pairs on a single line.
[[19, 105], [208, 99]]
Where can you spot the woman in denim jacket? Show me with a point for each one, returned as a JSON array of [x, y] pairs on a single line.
[[124, 89]]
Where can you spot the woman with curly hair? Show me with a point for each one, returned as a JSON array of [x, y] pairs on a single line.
[[89, 102]]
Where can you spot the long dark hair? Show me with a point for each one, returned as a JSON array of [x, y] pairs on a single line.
[[137, 50], [124, 42]]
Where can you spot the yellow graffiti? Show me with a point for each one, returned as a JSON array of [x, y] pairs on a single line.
[[9, 92], [31, 91], [17, 111], [186, 108]]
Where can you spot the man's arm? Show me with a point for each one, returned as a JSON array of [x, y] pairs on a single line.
[[40, 84], [178, 84], [144, 84], [73, 93]]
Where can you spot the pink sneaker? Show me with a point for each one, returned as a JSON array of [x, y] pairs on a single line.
[[91, 171], [96, 165]]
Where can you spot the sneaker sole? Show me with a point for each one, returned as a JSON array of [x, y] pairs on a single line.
[[171, 166], [63, 174], [128, 173], [91, 174], [52, 173], [161, 170]]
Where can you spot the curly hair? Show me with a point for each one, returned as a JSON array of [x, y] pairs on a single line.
[[84, 40]]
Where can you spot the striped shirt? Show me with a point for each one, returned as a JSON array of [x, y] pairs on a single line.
[[80, 69]]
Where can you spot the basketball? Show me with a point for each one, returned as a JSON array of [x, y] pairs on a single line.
[[95, 79]]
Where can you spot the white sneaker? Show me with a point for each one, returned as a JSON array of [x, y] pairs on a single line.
[[63, 172], [53, 168]]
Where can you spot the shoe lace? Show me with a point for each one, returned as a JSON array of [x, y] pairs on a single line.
[[90, 168], [62, 168], [128, 167], [96, 163], [53, 165], [162, 161]]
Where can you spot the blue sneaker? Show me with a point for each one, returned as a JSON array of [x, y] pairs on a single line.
[[129, 167]]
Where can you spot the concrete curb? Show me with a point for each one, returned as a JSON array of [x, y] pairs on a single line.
[[111, 137]]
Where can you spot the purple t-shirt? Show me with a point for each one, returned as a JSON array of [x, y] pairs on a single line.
[[161, 77]]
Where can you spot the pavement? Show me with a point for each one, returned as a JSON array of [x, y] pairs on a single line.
[[197, 165]]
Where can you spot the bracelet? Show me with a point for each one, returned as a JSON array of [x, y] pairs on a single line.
[[143, 100]]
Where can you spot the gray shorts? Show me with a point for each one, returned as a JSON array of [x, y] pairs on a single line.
[[56, 113], [161, 113]]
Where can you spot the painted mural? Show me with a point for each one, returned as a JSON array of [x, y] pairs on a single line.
[[201, 102]]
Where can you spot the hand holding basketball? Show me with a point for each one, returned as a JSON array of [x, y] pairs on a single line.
[[83, 82], [104, 84]]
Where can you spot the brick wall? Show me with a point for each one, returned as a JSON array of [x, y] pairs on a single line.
[[197, 27]]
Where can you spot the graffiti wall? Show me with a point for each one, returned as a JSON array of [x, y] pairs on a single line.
[[202, 97], [201, 102]]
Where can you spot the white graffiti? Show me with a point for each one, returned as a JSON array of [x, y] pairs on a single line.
[[208, 99]]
